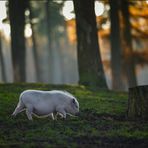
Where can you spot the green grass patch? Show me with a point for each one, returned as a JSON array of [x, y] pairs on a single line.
[[102, 121]]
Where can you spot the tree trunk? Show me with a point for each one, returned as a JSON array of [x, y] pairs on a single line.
[[138, 103], [127, 45], [116, 52], [50, 42], [91, 71], [17, 23], [35, 53], [2, 60]]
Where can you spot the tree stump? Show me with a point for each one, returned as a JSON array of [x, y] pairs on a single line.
[[138, 103]]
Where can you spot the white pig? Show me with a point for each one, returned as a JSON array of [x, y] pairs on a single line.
[[45, 103]]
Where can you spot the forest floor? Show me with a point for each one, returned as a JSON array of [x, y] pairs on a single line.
[[102, 121]]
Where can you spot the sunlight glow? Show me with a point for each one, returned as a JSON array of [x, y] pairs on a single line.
[[28, 31], [2, 13], [6, 30], [99, 8], [68, 9]]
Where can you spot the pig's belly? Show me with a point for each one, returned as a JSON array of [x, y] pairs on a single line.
[[42, 110]]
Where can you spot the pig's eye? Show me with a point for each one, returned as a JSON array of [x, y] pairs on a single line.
[[74, 102]]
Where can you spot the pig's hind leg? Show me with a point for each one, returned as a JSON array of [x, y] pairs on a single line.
[[29, 112], [20, 107]]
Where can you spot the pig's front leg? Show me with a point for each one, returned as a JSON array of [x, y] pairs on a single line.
[[61, 111], [52, 116]]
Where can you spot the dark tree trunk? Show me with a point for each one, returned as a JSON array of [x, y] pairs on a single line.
[[116, 52], [35, 53], [17, 23], [91, 71], [127, 42], [138, 103], [2, 61]]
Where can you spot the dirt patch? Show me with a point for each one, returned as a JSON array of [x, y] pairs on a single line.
[[93, 115]]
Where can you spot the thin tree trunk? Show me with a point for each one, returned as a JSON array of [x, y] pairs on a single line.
[[116, 52], [49, 32], [2, 60], [35, 53], [128, 50], [91, 71], [17, 23]]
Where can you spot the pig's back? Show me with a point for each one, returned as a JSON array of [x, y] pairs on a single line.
[[51, 97], [34, 96]]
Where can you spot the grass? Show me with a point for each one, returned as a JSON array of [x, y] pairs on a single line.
[[102, 122]]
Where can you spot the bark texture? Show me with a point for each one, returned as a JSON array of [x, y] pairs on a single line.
[[138, 103], [89, 59]]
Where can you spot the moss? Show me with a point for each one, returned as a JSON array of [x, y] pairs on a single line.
[[93, 80], [102, 121]]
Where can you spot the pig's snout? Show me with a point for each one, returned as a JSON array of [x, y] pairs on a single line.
[[77, 114]]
